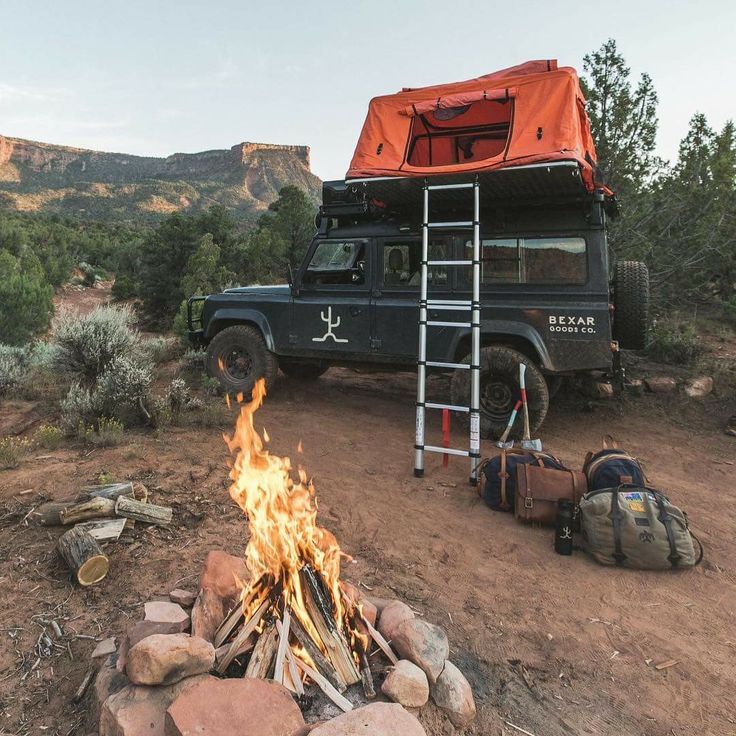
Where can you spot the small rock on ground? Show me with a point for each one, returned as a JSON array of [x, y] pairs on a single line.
[[105, 648], [452, 694], [166, 612], [163, 659], [235, 706], [184, 598], [661, 384], [424, 644], [139, 631], [392, 616], [698, 388], [107, 682], [407, 685], [207, 614], [376, 719]]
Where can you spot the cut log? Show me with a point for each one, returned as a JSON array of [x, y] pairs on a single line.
[[48, 513], [104, 530], [109, 490], [231, 621], [322, 616], [319, 659], [95, 508], [260, 664], [146, 512], [83, 555], [325, 686], [243, 634]]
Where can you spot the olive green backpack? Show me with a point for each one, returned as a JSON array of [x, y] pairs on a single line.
[[636, 526]]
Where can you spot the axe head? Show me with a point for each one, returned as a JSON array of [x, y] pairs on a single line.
[[505, 445], [535, 445]]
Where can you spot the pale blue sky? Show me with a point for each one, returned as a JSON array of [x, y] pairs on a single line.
[[150, 77]]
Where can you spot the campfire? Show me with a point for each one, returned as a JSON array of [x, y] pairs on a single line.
[[296, 620]]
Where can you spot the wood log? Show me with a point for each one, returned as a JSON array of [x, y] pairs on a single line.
[[320, 661], [291, 677], [82, 689], [283, 629], [225, 628], [95, 508], [382, 643], [48, 513], [146, 512], [109, 490], [83, 556], [242, 636], [320, 612], [104, 530], [260, 664], [325, 686]]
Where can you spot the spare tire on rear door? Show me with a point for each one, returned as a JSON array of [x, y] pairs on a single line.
[[631, 304], [499, 391]]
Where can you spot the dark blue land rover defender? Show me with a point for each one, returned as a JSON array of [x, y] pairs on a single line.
[[547, 293]]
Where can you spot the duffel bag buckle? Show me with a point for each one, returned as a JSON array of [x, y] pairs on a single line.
[[528, 502]]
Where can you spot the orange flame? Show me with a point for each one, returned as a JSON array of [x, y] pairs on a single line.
[[282, 514]]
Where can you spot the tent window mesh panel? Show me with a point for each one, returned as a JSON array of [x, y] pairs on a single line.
[[460, 135]]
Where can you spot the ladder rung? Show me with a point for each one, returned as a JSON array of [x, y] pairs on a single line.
[[442, 323], [450, 186], [449, 302], [451, 407], [440, 364], [449, 263], [446, 450], [461, 223], [453, 307]]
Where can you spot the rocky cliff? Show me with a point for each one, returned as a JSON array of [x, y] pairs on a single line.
[[116, 186]]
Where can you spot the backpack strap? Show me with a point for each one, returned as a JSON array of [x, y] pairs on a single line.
[[666, 518], [618, 553]]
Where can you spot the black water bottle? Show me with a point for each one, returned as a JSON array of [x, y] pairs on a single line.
[[563, 527]]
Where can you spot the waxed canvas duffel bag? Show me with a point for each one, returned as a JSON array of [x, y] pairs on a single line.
[[636, 526], [538, 489]]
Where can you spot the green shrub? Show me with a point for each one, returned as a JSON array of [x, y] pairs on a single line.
[[109, 432], [86, 345], [124, 287], [12, 451], [25, 295], [161, 349], [48, 436], [674, 341], [211, 385], [13, 368]]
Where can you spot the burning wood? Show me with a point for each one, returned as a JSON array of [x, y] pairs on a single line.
[[305, 624]]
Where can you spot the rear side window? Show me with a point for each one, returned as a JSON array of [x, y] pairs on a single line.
[[402, 263], [530, 261]]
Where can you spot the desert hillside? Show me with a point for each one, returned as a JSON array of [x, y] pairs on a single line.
[[41, 177]]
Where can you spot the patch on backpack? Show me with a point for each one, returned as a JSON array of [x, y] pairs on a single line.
[[635, 502]]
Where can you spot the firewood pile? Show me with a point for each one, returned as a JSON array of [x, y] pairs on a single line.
[[96, 518]]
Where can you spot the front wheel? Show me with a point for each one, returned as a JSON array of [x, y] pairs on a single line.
[[499, 391], [238, 357]]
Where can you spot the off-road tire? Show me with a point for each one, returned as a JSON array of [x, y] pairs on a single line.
[[499, 390], [302, 370], [631, 304], [245, 358]]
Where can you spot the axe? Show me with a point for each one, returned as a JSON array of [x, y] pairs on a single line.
[[502, 443], [527, 443]]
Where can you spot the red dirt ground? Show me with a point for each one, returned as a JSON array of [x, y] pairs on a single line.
[[554, 645]]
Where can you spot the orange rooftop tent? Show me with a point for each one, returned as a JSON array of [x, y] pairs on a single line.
[[526, 114]]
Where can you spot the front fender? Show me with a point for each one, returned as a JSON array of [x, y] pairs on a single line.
[[237, 316]]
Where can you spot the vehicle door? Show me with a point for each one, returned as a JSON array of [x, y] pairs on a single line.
[[330, 310], [396, 296]]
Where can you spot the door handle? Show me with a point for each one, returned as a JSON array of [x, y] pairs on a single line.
[[355, 311]]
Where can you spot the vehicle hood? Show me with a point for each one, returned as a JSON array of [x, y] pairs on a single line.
[[259, 290]]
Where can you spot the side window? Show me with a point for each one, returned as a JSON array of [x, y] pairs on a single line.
[[402, 264], [337, 262], [530, 261]]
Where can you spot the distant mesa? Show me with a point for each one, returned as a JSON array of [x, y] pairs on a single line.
[[42, 177]]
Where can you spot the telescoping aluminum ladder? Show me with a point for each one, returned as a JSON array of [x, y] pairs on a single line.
[[472, 308]]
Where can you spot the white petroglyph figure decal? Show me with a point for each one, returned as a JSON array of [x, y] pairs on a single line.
[[330, 325]]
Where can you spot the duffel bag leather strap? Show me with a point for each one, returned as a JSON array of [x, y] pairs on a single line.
[[503, 477], [666, 518]]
